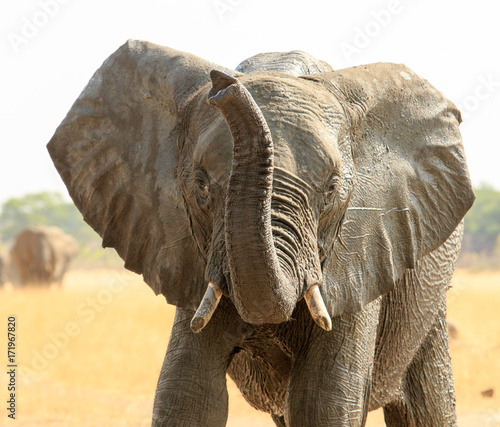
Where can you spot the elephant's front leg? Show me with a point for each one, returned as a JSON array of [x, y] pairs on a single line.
[[331, 378], [192, 385]]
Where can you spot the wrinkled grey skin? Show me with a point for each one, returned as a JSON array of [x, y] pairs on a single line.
[[265, 182], [41, 255]]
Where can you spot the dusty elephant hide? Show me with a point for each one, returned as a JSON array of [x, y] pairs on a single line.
[[305, 222]]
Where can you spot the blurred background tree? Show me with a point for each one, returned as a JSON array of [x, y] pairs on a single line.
[[41, 209], [481, 244], [482, 229], [48, 208]]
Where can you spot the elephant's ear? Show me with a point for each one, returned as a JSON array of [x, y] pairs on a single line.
[[116, 151], [404, 162]]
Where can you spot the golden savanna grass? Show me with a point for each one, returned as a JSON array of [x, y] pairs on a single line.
[[89, 354]]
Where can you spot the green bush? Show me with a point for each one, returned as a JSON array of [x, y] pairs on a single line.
[[482, 223]]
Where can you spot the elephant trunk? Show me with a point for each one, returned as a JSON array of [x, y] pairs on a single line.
[[261, 290]]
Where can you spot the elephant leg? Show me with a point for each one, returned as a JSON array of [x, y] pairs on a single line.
[[192, 387], [331, 378], [428, 395]]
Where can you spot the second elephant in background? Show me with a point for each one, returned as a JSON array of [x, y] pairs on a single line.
[[41, 255]]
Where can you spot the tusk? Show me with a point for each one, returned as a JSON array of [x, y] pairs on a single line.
[[317, 308], [207, 307]]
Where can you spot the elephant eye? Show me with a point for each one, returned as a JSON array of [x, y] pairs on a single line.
[[201, 183], [202, 187], [331, 190]]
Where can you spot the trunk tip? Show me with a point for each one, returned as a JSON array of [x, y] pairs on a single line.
[[221, 80], [220, 83]]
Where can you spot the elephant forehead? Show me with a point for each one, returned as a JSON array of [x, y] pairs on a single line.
[[305, 148], [305, 120]]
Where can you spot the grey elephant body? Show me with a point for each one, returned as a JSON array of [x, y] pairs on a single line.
[[305, 376], [323, 208], [41, 255]]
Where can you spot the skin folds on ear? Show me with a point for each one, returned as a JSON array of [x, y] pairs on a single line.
[[407, 188], [116, 152], [411, 186]]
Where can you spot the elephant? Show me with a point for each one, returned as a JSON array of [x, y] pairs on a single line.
[[41, 255], [304, 221]]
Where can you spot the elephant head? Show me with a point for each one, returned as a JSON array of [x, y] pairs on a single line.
[[302, 182]]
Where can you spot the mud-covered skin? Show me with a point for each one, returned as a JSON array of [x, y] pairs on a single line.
[[279, 182], [411, 314], [304, 376]]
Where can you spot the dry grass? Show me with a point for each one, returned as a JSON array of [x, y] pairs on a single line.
[[90, 353], [474, 305]]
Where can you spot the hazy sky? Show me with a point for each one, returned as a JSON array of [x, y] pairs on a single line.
[[51, 48]]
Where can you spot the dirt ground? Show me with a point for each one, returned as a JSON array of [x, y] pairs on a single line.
[[89, 354]]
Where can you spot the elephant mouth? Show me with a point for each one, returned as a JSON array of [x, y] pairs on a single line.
[[262, 288], [213, 294]]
